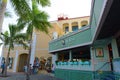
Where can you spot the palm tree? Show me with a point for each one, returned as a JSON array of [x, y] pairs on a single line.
[[7, 14], [10, 38], [39, 21], [21, 8]]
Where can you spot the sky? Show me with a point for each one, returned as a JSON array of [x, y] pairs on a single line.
[[68, 8]]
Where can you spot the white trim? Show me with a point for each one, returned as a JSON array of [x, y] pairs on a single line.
[[72, 47], [28, 50], [18, 50], [102, 10], [92, 9]]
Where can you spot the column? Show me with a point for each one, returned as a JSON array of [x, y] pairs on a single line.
[[70, 27], [1, 56], [93, 63], [54, 58], [15, 61], [70, 55], [33, 47], [79, 25], [114, 49]]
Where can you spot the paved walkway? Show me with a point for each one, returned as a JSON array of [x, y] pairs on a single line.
[[21, 76]]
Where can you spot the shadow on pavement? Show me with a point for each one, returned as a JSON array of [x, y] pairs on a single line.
[[42, 75]]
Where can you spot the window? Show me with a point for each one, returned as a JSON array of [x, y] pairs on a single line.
[[74, 28], [84, 23], [66, 29], [78, 54], [63, 56]]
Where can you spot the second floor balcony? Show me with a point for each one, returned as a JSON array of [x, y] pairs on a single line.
[[70, 40]]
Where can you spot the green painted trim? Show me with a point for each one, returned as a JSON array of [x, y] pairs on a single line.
[[73, 74], [76, 39], [117, 59]]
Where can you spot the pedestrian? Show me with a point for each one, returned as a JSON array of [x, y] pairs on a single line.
[[53, 68], [31, 69], [34, 67], [25, 68], [3, 67]]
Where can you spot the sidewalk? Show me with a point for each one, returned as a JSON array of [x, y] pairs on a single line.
[[43, 75]]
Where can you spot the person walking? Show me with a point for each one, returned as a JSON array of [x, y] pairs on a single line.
[[25, 68], [3, 67]]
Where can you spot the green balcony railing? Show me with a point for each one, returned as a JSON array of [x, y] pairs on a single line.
[[81, 37]]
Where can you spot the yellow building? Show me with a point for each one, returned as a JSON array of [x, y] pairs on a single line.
[[62, 26]]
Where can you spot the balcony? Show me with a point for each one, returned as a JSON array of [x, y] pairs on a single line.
[[75, 39]]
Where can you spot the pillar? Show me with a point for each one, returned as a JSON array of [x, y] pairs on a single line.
[[54, 58], [1, 56], [114, 49], [33, 49], [15, 61], [70, 55], [79, 25], [92, 54], [70, 27]]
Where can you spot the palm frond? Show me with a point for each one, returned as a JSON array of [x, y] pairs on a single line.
[[21, 8], [43, 3], [22, 24], [13, 37], [1, 38], [40, 21], [1, 44], [23, 43], [29, 29], [12, 29], [6, 34], [8, 14], [21, 36], [5, 38]]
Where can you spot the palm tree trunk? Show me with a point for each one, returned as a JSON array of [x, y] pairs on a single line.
[[28, 60], [2, 11], [7, 61]]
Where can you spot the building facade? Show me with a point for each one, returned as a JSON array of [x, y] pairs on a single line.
[[92, 52], [40, 40]]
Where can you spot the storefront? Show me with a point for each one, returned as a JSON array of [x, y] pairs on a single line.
[[93, 52]]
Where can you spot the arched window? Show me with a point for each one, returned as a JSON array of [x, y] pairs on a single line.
[[75, 26], [66, 27], [84, 23]]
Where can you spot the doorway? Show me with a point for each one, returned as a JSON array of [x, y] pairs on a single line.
[[22, 62], [110, 55]]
